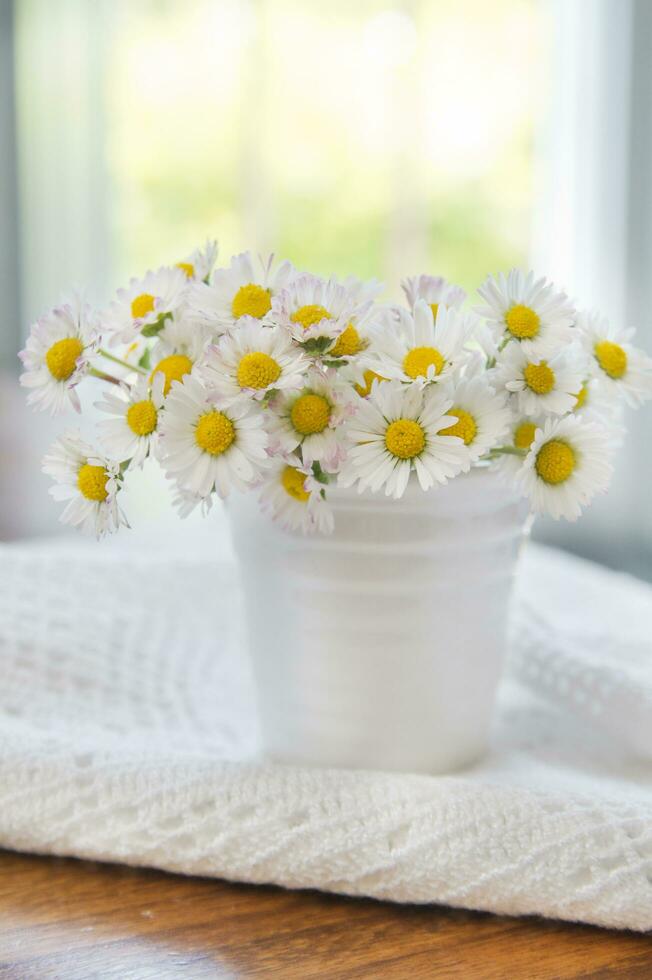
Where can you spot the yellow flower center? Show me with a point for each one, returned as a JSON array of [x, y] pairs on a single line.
[[91, 481], [214, 433], [435, 310], [580, 397], [292, 481], [522, 322], [188, 268], [611, 358], [369, 378], [348, 343], [539, 378], [405, 438], [141, 418], [555, 461], [419, 359], [308, 315], [257, 370], [175, 368], [310, 414], [524, 435], [251, 300], [142, 305], [465, 427], [61, 358]]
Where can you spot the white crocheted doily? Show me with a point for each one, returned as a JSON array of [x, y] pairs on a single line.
[[127, 733]]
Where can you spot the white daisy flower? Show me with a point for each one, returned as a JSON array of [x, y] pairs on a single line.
[[181, 335], [180, 346], [174, 367], [360, 377], [204, 447], [623, 370], [246, 288], [474, 367], [527, 310], [143, 306], [352, 352], [185, 502], [594, 404], [519, 436], [541, 386], [568, 463], [132, 432], [361, 290], [317, 311], [435, 290], [253, 360], [485, 345], [482, 418], [56, 355], [355, 338], [88, 481], [397, 430], [199, 264], [420, 348], [294, 499], [522, 431], [309, 419]]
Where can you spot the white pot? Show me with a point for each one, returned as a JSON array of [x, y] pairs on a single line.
[[381, 646]]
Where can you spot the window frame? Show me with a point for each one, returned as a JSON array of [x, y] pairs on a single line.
[[10, 333]]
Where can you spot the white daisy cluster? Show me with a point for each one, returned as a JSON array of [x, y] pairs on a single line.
[[259, 377]]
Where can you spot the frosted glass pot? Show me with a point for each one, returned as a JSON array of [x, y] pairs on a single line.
[[381, 646]]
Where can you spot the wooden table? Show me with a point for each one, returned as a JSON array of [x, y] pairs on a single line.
[[77, 920]]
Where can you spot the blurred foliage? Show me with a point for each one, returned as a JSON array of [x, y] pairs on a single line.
[[349, 137]]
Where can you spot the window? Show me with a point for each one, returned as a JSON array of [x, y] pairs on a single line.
[[381, 138], [349, 137]]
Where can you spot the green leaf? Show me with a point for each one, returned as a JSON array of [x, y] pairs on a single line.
[[145, 360], [319, 474], [153, 329], [317, 345]]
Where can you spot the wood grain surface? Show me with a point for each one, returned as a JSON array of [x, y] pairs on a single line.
[[77, 920]]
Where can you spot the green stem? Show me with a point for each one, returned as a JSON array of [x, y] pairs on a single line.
[[117, 360], [104, 377], [319, 473], [508, 451]]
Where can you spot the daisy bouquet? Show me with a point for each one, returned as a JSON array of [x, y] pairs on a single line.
[[256, 376]]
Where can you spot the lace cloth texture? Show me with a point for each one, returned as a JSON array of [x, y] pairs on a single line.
[[127, 733]]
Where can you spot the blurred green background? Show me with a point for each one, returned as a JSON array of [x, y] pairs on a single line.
[[369, 138]]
